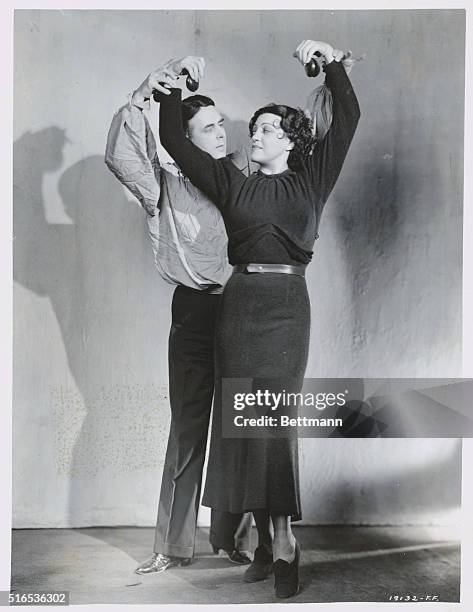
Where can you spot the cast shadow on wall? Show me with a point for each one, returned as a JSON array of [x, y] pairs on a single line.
[[397, 218], [99, 277]]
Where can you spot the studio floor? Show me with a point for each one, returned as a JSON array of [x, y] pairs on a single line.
[[349, 564]]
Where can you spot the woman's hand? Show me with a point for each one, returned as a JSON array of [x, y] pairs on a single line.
[[161, 79], [194, 65], [165, 77], [308, 48]]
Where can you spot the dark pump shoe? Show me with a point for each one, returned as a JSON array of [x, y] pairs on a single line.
[[235, 556], [159, 563], [286, 576], [261, 566]]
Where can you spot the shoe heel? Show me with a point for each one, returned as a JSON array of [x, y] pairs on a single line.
[[215, 549]]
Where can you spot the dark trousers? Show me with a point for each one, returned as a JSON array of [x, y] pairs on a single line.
[[191, 387]]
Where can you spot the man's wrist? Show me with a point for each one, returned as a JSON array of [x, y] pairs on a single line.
[[138, 98]]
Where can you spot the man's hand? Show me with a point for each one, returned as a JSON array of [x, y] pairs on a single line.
[[308, 48], [349, 61]]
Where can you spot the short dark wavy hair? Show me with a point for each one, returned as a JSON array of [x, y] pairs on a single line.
[[297, 126], [191, 106]]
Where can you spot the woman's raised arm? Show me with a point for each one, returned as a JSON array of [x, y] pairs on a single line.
[[212, 176], [326, 162]]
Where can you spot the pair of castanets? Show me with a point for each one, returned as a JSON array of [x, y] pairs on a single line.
[[312, 69]]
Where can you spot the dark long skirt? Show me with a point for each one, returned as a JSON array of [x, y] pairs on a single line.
[[262, 332]]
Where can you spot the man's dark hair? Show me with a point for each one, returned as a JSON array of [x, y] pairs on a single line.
[[190, 106]]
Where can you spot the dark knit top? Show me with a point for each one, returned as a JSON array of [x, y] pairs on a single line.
[[269, 218]]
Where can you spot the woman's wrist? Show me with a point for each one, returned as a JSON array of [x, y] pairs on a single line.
[[328, 53]]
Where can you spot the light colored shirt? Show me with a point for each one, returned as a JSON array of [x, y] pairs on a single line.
[[186, 229]]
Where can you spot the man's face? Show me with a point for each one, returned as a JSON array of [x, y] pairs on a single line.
[[206, 131]]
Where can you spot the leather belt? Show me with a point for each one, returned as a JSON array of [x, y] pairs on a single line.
[[270, 267]]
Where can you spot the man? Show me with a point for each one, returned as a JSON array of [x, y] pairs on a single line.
[[189, 242]]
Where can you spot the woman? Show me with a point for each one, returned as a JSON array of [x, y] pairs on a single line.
[[272, 218]]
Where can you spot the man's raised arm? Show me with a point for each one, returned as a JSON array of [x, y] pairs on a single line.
[[131, 152], [131, 155]]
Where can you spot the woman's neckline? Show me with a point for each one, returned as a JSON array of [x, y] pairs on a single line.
[[261, 173]]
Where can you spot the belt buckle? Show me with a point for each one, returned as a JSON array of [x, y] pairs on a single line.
[[252, 267]]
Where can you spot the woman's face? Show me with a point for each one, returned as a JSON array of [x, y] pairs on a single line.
[[270, 143]]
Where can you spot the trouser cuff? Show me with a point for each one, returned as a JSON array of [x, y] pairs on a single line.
[[171, 550]]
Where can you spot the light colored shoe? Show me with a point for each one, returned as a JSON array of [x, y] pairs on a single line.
[[159, 563]]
